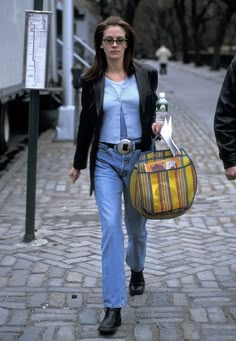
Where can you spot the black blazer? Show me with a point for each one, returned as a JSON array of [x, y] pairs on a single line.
[[225, 118], [91, 115]]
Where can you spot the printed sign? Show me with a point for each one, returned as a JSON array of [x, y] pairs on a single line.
[[37, 25]]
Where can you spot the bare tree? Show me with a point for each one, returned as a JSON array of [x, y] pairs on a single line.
[[129, 12], [105, 8], [168, 28], [199, 17], [184, 25], [146, 28], [227, 8], [180, 8]]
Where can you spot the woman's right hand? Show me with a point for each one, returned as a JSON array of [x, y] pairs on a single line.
[[230, 173], [74, 174]]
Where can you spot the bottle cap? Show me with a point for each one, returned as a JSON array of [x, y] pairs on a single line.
[[162, 94]]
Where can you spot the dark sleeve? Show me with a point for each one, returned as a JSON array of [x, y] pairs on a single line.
[[151, 98], [87, 122], [153, 78], [225, 118], [154, 82]]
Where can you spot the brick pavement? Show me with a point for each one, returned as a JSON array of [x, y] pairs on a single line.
[[51, 288]]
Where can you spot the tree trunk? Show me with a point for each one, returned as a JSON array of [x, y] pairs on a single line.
[[220, 34], [195, 29], [129, 12], [180, 12]]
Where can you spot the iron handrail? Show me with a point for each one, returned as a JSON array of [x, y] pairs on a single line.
[[79, 40], [77, 57]]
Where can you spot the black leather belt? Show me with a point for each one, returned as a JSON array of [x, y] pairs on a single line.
[[125, 146]]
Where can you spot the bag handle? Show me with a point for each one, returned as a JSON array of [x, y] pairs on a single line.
[[156, 138]]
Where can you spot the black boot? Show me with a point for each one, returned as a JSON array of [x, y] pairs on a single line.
[[111, 321], [137, 283]]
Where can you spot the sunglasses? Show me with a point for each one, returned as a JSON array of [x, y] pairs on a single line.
[[110, 41]]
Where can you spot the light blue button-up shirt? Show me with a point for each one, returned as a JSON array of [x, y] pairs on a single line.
[[121, 97]]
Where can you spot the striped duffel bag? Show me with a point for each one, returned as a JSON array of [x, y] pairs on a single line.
[[163, 186]]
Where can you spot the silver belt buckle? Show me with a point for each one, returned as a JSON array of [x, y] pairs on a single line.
[[125, 146]]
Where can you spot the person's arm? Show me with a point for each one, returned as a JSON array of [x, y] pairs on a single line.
[[225, 122], [153, 76], [157, 53], [85, 131], [88, 119]]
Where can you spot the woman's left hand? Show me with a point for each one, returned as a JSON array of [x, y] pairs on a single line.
[[156, 128]]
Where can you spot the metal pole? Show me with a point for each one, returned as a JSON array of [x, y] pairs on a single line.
[[65, 128], [32, 166], [32, 156], [38, 5], [53, 42], [68, 51]]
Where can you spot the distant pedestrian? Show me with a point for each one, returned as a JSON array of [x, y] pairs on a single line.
[[225, 122], [163, 54], [118, 102]]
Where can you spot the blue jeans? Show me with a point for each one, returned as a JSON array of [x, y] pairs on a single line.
[[112, 177]]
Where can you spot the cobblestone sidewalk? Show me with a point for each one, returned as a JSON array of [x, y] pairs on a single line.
[[51, 288]]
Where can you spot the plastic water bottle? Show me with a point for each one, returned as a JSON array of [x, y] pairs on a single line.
[[161, 108]]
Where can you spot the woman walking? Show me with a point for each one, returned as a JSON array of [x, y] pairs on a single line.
[[118, 105]]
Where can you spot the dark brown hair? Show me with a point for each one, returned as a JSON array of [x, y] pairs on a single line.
[[100, 63]]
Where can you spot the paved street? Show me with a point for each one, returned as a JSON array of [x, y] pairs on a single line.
[[51, 288]]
